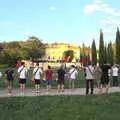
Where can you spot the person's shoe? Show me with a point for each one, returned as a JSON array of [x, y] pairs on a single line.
[[91, 93], [58, 91], [22, 94], [62, 90], [9, 94]]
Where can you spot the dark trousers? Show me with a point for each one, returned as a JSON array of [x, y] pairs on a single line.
[[89, 84], [115, 80]]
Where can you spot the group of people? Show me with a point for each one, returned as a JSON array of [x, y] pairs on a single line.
[[94, 75], [38, 76], [101, 76]]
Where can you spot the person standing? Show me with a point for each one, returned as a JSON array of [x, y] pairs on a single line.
[[48, 77], [72, 75], [0, 74], [61, 77], [89, 70], [22, 71], [9, 76], [97, 75], [104, 83], [114, 71], [37, 72]]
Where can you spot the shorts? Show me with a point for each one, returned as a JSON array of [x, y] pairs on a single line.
[[22, 81], [60, 81], [49, 82], [104, 80], [37, 81]]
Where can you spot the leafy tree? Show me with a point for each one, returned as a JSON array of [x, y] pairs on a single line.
[[12, 45], [94, 53], [36, 48], [101, 49], [1, 47], [32, 48]]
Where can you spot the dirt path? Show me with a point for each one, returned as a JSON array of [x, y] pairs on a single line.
[[43, 92]]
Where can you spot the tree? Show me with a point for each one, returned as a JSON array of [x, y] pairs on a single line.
[[105, 54], [69, 53], [1, 47], [12, 45], [35, 48], [101, 49], [117, 46], [94, 53], [110, 54]]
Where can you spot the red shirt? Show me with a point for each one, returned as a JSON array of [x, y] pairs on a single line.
[[48, 74]]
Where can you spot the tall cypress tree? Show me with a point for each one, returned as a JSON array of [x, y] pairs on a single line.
[[94, 53], [110, 54], [118, 46], [105, 54], [101, 49]]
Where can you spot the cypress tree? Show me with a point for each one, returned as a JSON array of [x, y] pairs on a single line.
[[94, 53], [110, 54], [117, 46], [105, 54], [101, 49]]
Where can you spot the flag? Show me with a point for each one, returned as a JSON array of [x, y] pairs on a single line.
[[66, 58], [84, 59], [18, 63]]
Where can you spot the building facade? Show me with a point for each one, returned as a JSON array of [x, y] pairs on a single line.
[[56, 51]]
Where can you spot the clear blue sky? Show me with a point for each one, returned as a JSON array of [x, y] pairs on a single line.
[[69, 21]]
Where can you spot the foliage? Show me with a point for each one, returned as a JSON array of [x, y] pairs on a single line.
[[94, 53], [33, 48], [101, 49], [118, 46], [105, 54], [1, 47], [110, 54]]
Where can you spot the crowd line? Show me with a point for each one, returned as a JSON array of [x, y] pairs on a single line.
[[98, 75]]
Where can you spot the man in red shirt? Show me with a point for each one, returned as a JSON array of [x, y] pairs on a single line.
[[48, 77]]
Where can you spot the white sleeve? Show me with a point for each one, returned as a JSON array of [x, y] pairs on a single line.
[[76, 72], [18, 70], [26, 70], [40, 71], [33, 70], [69, 71]]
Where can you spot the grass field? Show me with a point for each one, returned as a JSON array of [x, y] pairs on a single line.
[[79, 81], [102, 107]]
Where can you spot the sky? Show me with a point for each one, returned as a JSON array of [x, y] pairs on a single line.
[[70, 21]]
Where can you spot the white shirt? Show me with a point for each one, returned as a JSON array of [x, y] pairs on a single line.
[[109, 72], [0, 74], [38, 73], [22, 72], [115, 71], [73, 72], [89, 75]]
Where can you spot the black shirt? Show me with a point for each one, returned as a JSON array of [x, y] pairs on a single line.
[[105, 69], [61, 74], [9, 74]]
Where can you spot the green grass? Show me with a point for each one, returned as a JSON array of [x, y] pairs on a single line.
[[102, 107], [79, 81]]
